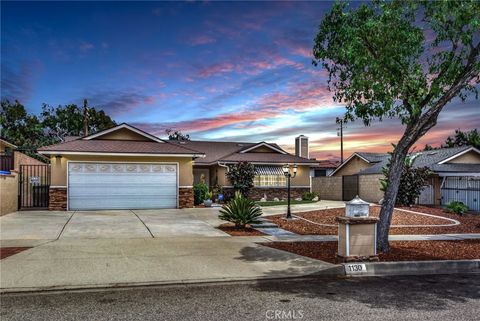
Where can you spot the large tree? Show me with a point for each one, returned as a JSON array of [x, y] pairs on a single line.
[[19, 127], [29, 132], [461, 138], [399, 59], [68, 120]]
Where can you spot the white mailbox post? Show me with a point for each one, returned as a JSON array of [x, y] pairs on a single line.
[[357, 233]]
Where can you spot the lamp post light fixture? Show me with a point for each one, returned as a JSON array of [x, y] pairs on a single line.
[[289, 174]]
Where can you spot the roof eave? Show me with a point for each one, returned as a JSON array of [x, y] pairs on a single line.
[[51, 152]]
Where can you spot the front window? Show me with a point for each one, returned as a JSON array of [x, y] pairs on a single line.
[[269, 176]]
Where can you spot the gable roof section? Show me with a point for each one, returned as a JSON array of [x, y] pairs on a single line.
[[267, 158], [370, 158], [432, 159], [6, 143], [122, 126], [462, 150], [264, 144]]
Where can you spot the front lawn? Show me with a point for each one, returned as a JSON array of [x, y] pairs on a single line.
[[274, 203]]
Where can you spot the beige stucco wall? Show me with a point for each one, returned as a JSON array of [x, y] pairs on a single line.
[[59, 166], [8, 193], [328, 187], [123, 134], [369, 187], [471, 157], [354, 165], [261, 149]]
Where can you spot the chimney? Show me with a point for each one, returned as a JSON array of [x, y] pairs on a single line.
[[301, 146]]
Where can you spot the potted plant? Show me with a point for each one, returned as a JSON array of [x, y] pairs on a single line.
[[207, 202]]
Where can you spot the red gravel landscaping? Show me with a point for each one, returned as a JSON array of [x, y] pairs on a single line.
[[399, 250], [248, 231], [469, 223], [9, 251]]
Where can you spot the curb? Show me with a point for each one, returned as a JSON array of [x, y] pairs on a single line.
[[334, 271], [410, 268]]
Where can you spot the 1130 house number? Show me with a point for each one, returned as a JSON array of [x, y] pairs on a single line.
[[355, 268]]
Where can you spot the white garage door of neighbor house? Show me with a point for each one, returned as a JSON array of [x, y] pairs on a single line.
[[95, 186]]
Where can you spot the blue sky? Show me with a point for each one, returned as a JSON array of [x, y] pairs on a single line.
[[215, 70]]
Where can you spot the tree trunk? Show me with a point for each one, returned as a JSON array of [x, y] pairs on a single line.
[[394, 175]]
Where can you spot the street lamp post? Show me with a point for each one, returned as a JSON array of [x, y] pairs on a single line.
[[288, 174]]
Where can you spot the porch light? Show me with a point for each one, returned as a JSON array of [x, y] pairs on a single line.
[[295, 167], [285, 169]]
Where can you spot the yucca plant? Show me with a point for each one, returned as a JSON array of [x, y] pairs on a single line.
[[241, 211]]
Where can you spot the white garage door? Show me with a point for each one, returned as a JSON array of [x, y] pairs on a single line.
[[94, 186]]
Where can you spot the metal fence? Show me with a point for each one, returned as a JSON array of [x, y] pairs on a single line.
[[462, 189], [34, 184]]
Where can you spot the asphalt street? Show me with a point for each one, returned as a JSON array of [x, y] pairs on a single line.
[[440, 297]]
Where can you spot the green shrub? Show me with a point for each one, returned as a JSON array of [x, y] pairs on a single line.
[[241, 211], [457, 207], [309, 196], [412, 181], [199, 192], [208, 195]]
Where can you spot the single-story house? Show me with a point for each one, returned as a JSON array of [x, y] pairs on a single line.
[[324, 168], [126, 168], [456, 173]]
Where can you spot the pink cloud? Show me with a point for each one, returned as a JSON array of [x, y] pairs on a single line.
[[201, 40], [298, 97]]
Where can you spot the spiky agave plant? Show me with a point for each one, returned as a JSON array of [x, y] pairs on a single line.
[[241, 211]]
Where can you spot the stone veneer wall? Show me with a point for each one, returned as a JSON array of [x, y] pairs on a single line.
[[257, 193], [185, 197], [57, 199]]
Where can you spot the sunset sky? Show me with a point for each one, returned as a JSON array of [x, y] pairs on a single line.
[[215, 70]]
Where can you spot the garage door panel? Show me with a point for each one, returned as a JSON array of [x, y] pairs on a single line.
[[122, 186]]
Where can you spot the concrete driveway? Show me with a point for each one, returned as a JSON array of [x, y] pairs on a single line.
[[52, 225], [114, 248]]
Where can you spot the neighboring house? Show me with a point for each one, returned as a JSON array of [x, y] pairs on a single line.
[[10, 165], [127, 168], [6, 155], [324, 168], [456, 173]]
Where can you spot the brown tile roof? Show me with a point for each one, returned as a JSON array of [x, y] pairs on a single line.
[[268, 158], [214, 150], [230, 152], [118, 146]]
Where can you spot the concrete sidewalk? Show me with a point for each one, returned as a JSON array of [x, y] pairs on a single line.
[[90, 263], [299, 208]]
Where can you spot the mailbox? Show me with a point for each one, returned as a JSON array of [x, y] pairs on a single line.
[[357, 233], [357, 208]]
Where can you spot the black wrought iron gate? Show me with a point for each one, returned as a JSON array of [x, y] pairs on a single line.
[[33, 186], [349, 187]]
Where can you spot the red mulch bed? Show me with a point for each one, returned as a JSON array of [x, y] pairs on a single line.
[[470, 223], [399, 250], [248, 231], [9, 251]]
